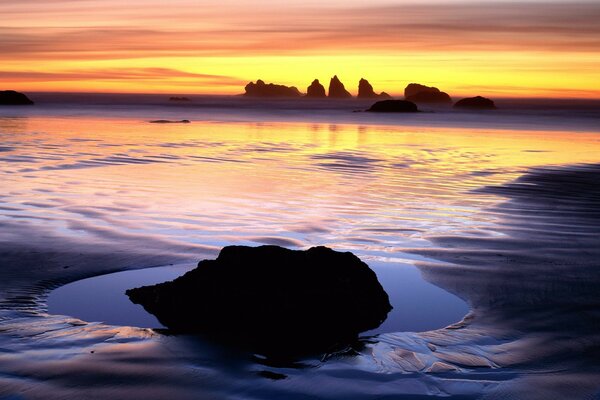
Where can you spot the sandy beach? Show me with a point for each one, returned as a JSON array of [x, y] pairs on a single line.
[[504, 216]]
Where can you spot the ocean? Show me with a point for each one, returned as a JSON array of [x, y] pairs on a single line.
[[483, 227]]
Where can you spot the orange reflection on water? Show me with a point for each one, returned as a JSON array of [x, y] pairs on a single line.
[[373, 189]]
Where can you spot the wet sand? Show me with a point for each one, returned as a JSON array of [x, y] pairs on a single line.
[[480, 213]]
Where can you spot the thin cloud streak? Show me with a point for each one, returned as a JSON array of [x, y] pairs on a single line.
[[441, 27], [114, 46], [140, 74]]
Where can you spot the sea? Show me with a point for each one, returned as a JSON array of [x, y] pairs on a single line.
[[482, 226]]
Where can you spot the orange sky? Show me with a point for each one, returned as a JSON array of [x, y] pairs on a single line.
[[499, 48]]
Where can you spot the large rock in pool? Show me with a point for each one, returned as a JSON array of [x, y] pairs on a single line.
[[12, 98], [475, 103], [277, 300], [394, 106]]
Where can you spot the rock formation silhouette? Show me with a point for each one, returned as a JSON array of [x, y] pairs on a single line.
[[475, 103], [175, 98], [316, 90], [418, 93], [394, 106], [12, 98], [261, 89], [275, 300], [168, 121], [337, 89], [365, 91]]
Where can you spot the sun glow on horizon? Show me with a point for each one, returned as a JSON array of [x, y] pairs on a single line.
[[498, 49]]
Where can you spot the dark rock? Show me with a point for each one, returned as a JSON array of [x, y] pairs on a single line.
[[179, 99], [475, 103], [316, 90], [399, 106], [418, 93], [337, 89], [414, 88], [365, 91], [12, 98], [166, 121], [430, 97], [279, 301], [261, 89]]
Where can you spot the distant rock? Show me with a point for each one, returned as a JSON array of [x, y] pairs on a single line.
[[167, 121], [430, 97], [12, 98], [365, 91], [337, 89], [261, 89], [418, 93], [179, 99], [414, 88], [394, 106], [316, 90], [476, 103], [278, 301]]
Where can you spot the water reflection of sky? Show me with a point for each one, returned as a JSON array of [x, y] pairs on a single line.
[[191, 189], [418, 305]]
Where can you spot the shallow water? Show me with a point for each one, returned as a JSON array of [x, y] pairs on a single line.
[[94, 190], [418, 305]]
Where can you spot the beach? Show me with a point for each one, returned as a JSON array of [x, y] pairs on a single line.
[[498, 209]]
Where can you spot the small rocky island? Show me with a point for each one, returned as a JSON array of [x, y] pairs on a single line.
[[316, 90], [365, 91], [476, 103], [169, 121], [176, 98], [279, 302], [394, 106], [418, 93], [262, 89], [12, 98], [337, 89]]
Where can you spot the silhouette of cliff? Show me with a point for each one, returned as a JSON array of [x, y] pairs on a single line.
[[261, 89], [365, 91], [316, 90], [418, 93], [337, 89], [12, 98]]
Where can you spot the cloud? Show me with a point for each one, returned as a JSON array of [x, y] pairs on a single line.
[[193, 31], [112, 74]]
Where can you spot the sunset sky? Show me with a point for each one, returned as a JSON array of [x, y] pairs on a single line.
[[499, 48]]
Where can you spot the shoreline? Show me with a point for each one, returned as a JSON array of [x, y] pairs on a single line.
[[438, 195]]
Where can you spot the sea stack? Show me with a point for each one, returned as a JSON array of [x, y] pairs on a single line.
[[418, 93], [365, 91], [316, 90], [394, 106], [337, 89], [475, 103], [276, 300], [261, 89], [12, 98]]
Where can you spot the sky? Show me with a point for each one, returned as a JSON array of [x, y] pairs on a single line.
[[496, 48]]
